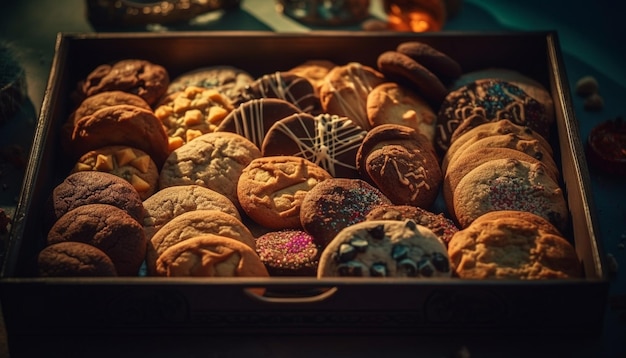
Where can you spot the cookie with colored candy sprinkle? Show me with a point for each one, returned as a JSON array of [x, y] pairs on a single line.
[[253, 118], [283, 85], [335, 204], [330, 141], [489, 100], [509, 184], [288, 253], [385, 248]]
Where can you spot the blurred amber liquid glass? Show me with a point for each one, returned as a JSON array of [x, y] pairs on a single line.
[[415, 15]]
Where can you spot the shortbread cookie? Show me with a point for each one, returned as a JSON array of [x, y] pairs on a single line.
[[482, 130], [487, 101], [213, 160], [337, 203], [531, 147], [121, 125], [345, 89], [128, 163], [440, 225], [509, 248], [402, 163], [509, 184], [271, 189], [541, 223], [329, 141], [92, 187], [108, 228], [401, 68], [391, 103], [253, 118], [286, 86], [170, 202], [227, 80], [195, 223], [192, 112], [143, 78], [385, 248], [74, 259], [210, 256], [288, 253], [440, 64]]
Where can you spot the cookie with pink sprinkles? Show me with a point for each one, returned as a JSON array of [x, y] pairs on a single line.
[[288, 253], [509, 184]]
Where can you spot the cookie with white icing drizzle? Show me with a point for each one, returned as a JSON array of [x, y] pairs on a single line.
[[283, 85], [252, 119], [345, 89], [402, 163], [330, 141]]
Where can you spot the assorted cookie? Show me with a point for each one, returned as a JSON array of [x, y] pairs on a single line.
[[408, 168]]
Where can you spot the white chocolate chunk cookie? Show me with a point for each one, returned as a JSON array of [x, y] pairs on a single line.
[[128, 163], [385, 248]]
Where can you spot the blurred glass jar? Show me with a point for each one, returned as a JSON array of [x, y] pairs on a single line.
[[415, 15], [325, 12]]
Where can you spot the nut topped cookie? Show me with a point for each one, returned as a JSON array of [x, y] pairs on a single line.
[[385, 248], [192, 112], [129, 163]]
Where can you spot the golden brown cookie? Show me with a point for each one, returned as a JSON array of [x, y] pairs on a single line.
[[271, 189], [74, 259], [391, 103], [192, 112], [315, 71], [530, 147], [487, 129], [143, 78], [121, 125], [213, 160], [509, 184], [541, 223], [170, 202], [108, 228], [345, 89], [385, 248], [105, 99], [210, 256], [195, 223], [402, 163], [128, 163], [509, 248], [469, 160]]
